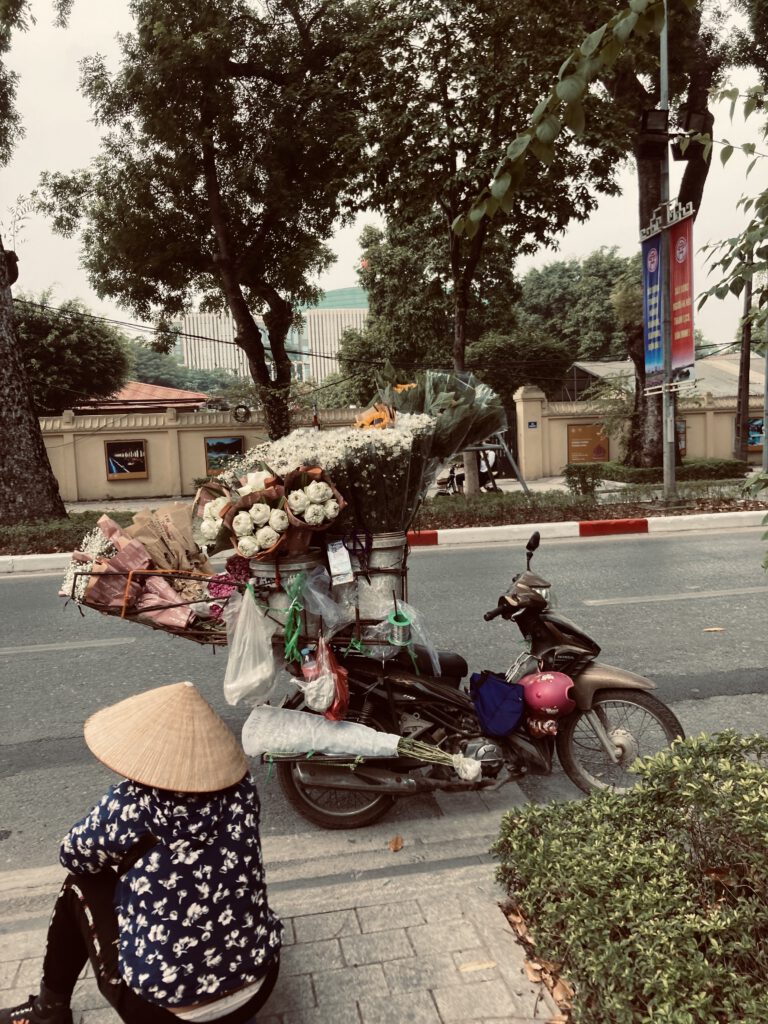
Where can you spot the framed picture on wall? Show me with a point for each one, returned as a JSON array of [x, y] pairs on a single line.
[[587, 443], [755, 434], [126, 460], [219, 449]]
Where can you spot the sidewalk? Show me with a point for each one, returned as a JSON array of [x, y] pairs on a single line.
[[371, 936]]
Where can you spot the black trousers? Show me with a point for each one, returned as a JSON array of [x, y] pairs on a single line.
[[84, 927]]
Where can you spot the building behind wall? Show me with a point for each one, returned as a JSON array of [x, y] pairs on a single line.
[[208, 339]]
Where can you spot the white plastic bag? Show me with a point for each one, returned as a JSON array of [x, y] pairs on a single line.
[[250, 672], [283, 731]]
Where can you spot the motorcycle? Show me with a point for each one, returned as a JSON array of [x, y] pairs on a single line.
[[611, 719]]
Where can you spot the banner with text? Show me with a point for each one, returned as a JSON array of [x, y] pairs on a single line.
[[681, 297], [652, 270]]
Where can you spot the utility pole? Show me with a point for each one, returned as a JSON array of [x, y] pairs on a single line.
[[667, 401]]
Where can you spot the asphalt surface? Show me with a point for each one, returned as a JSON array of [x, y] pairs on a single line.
[[650, 601]]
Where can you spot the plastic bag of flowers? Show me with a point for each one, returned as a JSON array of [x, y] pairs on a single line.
[[312, 504], [257, 523]]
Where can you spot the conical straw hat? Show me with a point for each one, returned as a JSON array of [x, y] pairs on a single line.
[[169, 737]]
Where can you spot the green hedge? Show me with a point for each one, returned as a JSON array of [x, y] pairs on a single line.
[[656, 902], [691, 469], [47, 535]]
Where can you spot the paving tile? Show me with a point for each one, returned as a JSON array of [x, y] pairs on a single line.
[[401, 1008], [30, 973], [335, 1013], [311, 927], [345, 986], [20, 945], [8, 971], [104, 1016], [376, 947], [289, 935], [390, 915], [443, 937], [475, 965], [306, 957], [475, 1001], [293, 992], [435, 970], [448, 908]]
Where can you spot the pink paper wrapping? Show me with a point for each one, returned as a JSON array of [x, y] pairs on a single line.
[[105, 588], [158, 591]]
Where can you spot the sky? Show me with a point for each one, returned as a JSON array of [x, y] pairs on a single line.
[[60, 136]]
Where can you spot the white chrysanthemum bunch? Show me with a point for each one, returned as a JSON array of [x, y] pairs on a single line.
[[315, 503], [258, 528], [95, 544]]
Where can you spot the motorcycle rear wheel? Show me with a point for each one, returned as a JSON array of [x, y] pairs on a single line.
[[639, 724], [333, 808]]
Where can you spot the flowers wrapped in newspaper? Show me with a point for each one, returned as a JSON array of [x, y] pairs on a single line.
[[272, 731]]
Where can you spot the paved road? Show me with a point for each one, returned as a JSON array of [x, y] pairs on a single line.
[[648, 599]]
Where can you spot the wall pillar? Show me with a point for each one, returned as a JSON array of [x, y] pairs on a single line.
[[529, 410], [174, 452]]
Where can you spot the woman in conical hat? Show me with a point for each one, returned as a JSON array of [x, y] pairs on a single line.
[[166, 892]]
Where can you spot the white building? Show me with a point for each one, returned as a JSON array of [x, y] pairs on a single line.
[[207, 340]]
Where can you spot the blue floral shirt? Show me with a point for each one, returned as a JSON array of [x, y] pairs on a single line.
[[192, 913]]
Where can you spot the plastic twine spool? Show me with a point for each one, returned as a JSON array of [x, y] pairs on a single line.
[[400, 628]]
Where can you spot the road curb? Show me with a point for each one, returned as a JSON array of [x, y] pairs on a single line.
[[470, 535]]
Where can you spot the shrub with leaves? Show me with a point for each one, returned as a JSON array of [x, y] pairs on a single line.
[[656, 902], [583, 477]]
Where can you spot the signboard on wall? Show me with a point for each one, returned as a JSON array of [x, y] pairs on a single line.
[[126, 460], [587, 443], [219, 449], [755, 434]]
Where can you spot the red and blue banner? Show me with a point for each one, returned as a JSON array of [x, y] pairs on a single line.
[[652, 326], [681, 296]]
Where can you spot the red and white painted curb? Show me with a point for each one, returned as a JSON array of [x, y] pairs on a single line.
[[469, 535], [588, 528]]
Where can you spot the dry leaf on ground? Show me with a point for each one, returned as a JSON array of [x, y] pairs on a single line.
[[714, 629], [396, 843], [533, 970]]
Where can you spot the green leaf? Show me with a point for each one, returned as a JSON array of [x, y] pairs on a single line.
[[610, 52], [592, 41], [543, 151], [571, 89], [458, 225], [725, 154], [508, 201], [540, 110], [684, 142], [472, 227], [565, 64], [752, 164], [477, 211], [575, 118], [548, 130], [518, 146], [500, 185], [491, 206], [623, 29]]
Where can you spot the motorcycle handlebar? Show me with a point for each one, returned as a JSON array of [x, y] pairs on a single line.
[[493, 614]]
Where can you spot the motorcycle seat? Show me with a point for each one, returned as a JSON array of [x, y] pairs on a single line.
[[451, 664]]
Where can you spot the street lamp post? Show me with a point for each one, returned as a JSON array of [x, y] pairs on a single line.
[[667, 401]]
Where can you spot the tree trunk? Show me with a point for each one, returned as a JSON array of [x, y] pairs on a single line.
[[28, 488]]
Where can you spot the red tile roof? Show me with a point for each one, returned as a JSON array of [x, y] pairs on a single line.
[[136, 394]]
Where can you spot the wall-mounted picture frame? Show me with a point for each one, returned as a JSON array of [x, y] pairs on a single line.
[[219, 449], [126, 460]]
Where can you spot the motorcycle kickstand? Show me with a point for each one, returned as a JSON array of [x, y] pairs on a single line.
[[606, 742]]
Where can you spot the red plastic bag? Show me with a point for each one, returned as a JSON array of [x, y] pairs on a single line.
[[326, 661]]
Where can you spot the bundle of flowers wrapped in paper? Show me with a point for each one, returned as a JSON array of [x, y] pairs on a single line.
[[153, 570]]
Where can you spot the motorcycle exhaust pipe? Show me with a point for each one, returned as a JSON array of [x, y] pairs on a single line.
[[366, 778]]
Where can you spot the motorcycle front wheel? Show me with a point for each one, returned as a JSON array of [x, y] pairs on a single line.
[[333, 808], [638, 725]]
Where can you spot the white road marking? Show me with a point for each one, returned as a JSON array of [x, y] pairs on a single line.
[[67, 645], [690, 596]]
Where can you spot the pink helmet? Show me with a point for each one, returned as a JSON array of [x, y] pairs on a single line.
[[548, 694]]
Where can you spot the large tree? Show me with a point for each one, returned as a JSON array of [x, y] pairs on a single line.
[[69, 355], [25, 459], [231, 135], [618, 61]]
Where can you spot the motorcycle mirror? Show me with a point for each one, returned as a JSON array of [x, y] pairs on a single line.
[[530, 547]]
